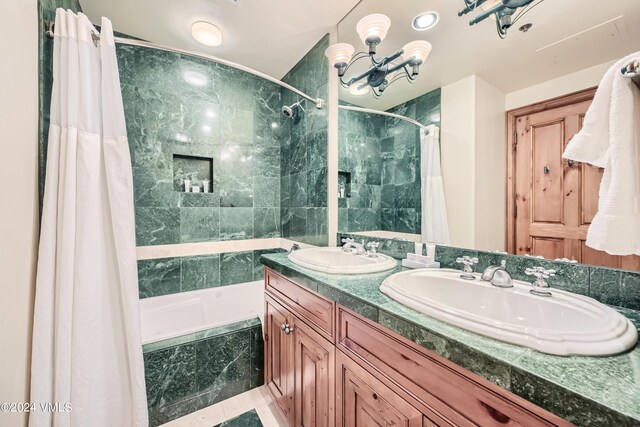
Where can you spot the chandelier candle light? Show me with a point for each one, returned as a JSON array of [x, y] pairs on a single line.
[[372, 29]]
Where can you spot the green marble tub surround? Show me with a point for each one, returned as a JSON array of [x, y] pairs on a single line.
[[589, 391], [189, 372], [226, 124], [163, 276]]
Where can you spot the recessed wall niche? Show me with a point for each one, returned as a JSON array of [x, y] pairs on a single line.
[[197, 169], [344, 184]]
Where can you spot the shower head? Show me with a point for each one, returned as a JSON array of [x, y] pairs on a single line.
[[289, 110]]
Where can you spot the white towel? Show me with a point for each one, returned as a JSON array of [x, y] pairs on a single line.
[[610, 138]]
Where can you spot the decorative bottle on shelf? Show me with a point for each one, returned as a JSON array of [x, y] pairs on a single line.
[[187, 185], [342, 190], [205, 185]]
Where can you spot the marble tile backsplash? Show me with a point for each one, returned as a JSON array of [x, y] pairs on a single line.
[[607, 285]]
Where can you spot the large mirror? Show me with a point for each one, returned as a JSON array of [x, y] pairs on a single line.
[[484, 124]]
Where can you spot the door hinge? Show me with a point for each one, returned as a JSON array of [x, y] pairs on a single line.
[[515, 139]]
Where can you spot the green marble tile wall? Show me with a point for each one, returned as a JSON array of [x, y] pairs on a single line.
[[210, 366], [303, 173], [383, 156], [164, 276], [185, 106]]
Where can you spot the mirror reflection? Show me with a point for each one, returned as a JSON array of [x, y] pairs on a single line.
[[462, 142]]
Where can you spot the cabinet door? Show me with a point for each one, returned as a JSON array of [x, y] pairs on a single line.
[[279, 374], [364, 401], [314, 365]]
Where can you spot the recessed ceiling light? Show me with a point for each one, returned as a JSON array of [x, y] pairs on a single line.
[[425, 20], [206, 33], [356, 90], [194, 78]]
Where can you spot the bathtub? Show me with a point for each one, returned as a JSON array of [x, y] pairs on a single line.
[[174, 315]]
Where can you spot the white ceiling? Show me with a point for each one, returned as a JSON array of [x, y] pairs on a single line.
[[267, 35], [272, 35], [510, 64]]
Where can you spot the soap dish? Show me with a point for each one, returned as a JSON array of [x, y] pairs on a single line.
[[412, 264]]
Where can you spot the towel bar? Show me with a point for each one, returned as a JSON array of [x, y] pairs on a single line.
[[632, 70]]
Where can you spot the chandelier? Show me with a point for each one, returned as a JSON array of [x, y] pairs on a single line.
[[505, 12], [372, 29]]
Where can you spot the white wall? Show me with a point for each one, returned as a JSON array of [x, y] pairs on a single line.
[[457, 135], [19, 215], [474, 162], [574, 82], [490, 168]]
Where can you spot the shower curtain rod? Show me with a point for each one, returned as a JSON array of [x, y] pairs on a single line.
[[318, 102], [384, 113]]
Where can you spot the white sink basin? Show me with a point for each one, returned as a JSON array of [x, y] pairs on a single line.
[[336, 261], [563, 324]]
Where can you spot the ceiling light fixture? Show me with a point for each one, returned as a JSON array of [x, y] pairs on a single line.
[[372, 30], [194, 78], [425, 20], [206, 33], [505, 12]]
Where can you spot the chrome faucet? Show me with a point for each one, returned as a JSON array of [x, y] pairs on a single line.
[[467, 270], [498, 276], [353, 247], [540, 285]]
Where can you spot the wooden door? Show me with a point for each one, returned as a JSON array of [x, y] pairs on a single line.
[[278, 348], [314, 364], [552, 201], [364, 401]]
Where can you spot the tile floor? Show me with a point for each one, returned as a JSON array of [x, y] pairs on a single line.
[[257, 398]]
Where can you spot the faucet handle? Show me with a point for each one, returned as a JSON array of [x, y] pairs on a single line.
[[540, 272], [468, 263], [540, 285], [373, 247]]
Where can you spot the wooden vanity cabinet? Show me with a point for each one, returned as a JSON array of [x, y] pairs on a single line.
[[328, 366], [299, 368]]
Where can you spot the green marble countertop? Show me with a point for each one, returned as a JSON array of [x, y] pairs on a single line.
[[588, 391]]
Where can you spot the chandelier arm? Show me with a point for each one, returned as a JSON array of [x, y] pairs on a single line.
[[401, 65], [358, 56], [524, 11]]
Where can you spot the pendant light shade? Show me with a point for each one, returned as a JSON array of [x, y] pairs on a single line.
[[417, 50], [373, 28], [339, 54]]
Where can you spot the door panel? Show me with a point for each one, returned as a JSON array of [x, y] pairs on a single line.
[[315, 374], [547, 144], [548, 247], [279, 374], [554, 201]]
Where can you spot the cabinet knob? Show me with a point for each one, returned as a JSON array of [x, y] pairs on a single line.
[[288, 329], [283, 326]]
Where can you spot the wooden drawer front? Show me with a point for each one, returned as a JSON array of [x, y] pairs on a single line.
[[313, 308], [454, 393], [363, 400]]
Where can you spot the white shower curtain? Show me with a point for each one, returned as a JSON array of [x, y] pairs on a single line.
[[86, 338], [435, 227]]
